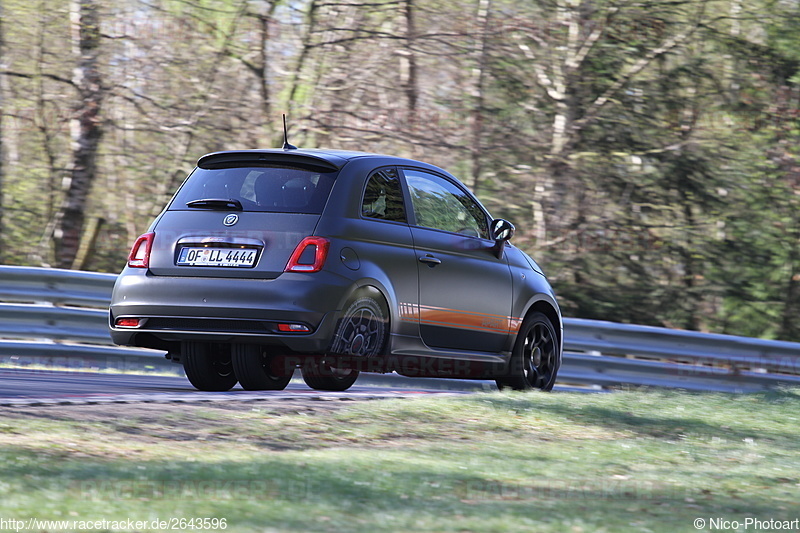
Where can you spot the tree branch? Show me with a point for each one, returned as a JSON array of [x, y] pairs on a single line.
[[668, 45], [25, 75]]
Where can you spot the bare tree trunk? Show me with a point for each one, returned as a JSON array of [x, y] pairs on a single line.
[[791, 303], [294, 84], [261, 68], [42, 254], [264, 66], [479, 74], [692, 268], [86, 129], [410, 84], [2, 112], [305, 77]]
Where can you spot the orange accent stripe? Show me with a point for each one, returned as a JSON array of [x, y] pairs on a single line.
[[454, 318]]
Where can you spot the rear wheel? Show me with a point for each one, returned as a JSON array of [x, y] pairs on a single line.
[[362, 329], [536, 357], [259, 370], [322, 374], [361, 334], [208, 366]]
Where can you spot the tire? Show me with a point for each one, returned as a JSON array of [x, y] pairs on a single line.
[[321, 374], [257, 369], [536, 357], [360, 334], [208, 366]]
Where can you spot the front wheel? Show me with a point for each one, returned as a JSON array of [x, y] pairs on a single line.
[[536, 357], [208, 366], [259, 370]]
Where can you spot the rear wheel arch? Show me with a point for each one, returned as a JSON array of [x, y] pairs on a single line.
[[379, 297], [378, 293], [374, 280]]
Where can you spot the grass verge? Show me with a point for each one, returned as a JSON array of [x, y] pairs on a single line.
[[629, 461]]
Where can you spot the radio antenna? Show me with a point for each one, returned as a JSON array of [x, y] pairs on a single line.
[[286, 145]]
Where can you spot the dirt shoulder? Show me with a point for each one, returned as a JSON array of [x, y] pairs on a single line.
[[158, 411]]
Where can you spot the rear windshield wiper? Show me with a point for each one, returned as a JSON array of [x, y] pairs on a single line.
[[215, 203]]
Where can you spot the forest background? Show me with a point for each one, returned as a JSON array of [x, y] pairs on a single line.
[[647, 151]]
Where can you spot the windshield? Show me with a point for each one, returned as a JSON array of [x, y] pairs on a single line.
[[275, 189]]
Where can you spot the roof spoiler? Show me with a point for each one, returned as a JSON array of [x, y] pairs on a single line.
[[256, 157]]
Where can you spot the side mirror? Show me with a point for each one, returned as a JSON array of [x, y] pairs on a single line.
[[502, 231]]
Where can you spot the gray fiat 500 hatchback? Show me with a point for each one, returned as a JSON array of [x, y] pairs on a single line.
[[336, 263]]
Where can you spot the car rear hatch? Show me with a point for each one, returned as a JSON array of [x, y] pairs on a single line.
[[241, 216]]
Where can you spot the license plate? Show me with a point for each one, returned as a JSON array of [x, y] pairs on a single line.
[[217, 257]]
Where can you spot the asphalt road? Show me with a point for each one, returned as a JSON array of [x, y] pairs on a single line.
[[40, 387]]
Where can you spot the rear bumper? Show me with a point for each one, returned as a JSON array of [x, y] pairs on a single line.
[[174, 309]]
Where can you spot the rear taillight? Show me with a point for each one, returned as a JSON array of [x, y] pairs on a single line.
[[293, 328], [309, 256], [140, 253]]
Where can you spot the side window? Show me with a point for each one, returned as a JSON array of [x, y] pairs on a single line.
[[440, 204], [383, 197]]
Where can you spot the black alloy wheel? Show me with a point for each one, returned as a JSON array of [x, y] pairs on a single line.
[[362, 329], [361, 334], [536, 357]]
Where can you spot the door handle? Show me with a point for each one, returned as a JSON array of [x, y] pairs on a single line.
[[430, 260]]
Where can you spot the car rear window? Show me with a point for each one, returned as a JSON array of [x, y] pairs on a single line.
[[275, 189]]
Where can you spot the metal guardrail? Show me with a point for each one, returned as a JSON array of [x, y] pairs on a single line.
[[62, 315], [611, 354], [55, 286]]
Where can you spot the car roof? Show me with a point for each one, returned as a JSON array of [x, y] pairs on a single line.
[[332, 159]]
